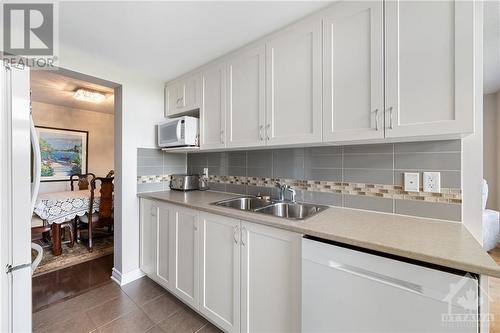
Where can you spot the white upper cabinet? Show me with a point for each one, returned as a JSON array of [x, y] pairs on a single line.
[[429, 68], [353, 90], [213, 107], [246, 98], [186, 255], [220, 270], [183, 96], [293, 85]]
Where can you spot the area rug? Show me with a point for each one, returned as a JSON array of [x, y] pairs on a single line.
[[103, 245]]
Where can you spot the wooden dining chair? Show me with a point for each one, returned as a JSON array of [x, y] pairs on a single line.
[[83, 180], [105, 216]]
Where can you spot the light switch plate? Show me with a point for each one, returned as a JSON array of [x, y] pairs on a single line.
[[412, 182], [432, 182]]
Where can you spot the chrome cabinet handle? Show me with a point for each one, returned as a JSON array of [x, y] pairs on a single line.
[[222, 136], [268, 127], [390, 117], [235, 234], [376, 119], [261, 129]]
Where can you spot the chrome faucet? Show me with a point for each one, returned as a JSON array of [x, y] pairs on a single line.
[[283, 188]]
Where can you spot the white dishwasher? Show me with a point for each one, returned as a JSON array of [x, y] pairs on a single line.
[[349, 290]]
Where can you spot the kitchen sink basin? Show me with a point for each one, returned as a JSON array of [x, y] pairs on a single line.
[[245, 203], [288, 210], [291, 210]]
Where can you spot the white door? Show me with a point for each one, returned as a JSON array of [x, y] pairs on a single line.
[[270, 279], [293, 85], [353, 82], [213, 107], [15, 200], [164, 245], [148, 223], [186, 255], [429, 67], [220, 270], [246, 98]]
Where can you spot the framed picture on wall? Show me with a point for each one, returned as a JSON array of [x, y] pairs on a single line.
[[64, 152]]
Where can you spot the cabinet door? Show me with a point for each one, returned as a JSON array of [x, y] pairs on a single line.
[[213, 107], [148, 223], [429, 67], [353, 83], [246, 99], [186, 255], [172, 98], [191, 92], [164, 245], [220, 271], [270, 299], [293, 84]]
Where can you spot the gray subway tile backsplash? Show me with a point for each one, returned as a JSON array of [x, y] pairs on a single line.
[[427, 209], [368, 164], [427, 161], [369, 203]]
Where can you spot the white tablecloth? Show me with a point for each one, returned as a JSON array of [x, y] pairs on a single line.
[[59, 207]]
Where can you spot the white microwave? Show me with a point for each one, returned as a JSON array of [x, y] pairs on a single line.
[[178, 132]]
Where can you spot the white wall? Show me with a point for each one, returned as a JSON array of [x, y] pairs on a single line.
[[142, 107], [101, 136], [491, 142]]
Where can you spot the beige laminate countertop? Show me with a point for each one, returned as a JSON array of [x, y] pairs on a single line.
[[437, 242]]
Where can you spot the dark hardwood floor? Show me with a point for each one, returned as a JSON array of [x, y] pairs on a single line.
[[69, 282]]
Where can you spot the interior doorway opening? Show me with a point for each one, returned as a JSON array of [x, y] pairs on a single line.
[[76, 119]]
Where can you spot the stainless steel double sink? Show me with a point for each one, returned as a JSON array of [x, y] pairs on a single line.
[[284, 209]]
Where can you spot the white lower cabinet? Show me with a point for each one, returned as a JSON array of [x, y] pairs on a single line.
[[185, 254], [270, 279], [243, 277], [147, 232], [220, 270]]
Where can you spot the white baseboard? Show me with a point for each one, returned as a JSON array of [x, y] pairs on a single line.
[[123, 279]]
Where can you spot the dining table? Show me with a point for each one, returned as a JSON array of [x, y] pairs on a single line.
[[58, 207]]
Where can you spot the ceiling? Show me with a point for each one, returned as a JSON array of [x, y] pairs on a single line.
[[53, 88], [491, 47], [164, 39]]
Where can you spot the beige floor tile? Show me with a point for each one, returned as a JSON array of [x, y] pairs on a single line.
[[132, 322], [109, 311], [184, 320], [143, 290], [78, 323], [155, 329], [209, 328], [162, 307], [60, 311]]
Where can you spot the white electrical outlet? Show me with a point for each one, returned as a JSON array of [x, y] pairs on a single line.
[[412, 182], [432, 182]]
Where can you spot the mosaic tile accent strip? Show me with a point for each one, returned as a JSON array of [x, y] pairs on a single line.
[[447, 195], [152, 179]]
